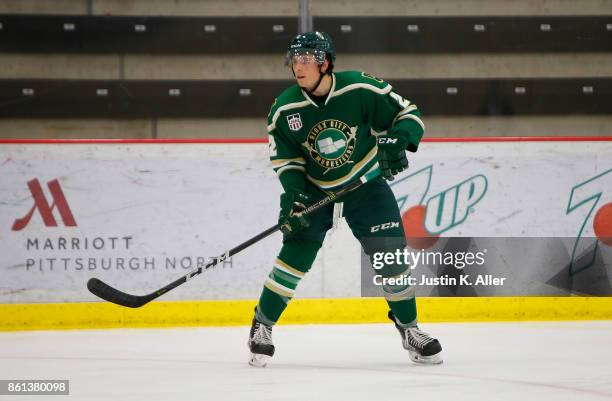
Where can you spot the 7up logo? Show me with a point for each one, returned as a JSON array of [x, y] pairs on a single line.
[[591, 199], [450, 207], [426, 217]]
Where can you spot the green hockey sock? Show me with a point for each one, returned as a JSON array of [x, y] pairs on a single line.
[[405, 311], [294, 260], [400, 297]]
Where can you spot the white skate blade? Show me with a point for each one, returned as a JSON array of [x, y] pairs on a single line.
[[258, 360], [425, 360]]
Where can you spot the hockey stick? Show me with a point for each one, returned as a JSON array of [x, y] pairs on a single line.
[[111, 294]]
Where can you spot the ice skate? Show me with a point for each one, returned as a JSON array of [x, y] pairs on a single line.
[[420, 346], [260, 344]]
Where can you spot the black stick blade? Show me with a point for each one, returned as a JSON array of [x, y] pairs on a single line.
[[110, 294]]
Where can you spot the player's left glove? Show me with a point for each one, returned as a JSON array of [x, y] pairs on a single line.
[[392, 154]]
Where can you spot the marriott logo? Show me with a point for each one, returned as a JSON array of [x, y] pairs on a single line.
[[44, 208]]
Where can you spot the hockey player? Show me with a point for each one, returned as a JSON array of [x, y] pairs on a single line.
[[325, 132]]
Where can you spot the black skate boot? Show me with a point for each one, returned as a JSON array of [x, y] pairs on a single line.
[[260, 344], [421, 347]]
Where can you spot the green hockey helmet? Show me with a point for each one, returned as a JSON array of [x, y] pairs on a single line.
[[316, 43]]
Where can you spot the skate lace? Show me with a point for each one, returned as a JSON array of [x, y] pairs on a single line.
[[417, 337], [263, 334]]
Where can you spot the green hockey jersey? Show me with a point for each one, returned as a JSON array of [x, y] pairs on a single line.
[[334, 143]]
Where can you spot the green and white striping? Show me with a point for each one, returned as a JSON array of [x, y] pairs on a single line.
[[282, 165], [279, 264], [351, 87], [290, 167], [279, 289], [402, 290], [283, 279], [409, 115]]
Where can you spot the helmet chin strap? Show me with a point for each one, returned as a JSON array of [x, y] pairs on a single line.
[[321, 75], [311, 91]]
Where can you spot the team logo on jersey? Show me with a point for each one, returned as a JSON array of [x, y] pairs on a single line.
[[295, 122], [331, 143]]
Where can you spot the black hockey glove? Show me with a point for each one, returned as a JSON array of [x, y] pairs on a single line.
[[392, 154], [292, 204]]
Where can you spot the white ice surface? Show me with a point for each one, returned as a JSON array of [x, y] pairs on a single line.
[[482, 361]]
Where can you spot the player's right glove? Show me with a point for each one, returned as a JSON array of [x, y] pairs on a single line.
[[291, 219], [392, 154]]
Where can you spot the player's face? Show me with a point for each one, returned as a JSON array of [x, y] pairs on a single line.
[[306, 70]]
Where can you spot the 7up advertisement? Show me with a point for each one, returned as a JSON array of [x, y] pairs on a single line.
[[535, 218]]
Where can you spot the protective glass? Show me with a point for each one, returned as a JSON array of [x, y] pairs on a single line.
[[301, 56], [303, 59]]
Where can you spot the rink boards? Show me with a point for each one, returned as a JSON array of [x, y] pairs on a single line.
[[139, 215]]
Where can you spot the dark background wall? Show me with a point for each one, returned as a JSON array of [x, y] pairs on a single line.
[[189, 68]]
